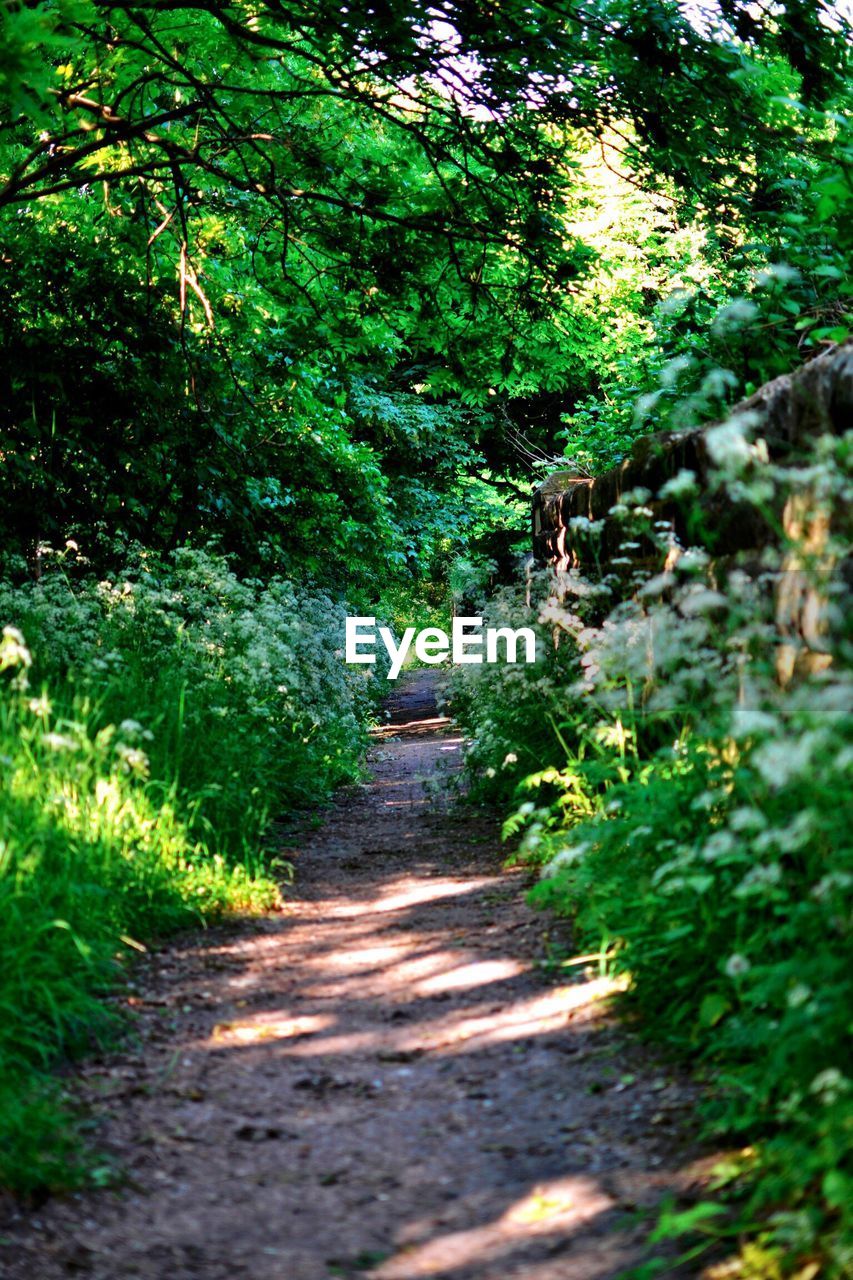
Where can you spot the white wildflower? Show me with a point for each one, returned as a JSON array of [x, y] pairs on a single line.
[[750, 722], [829, 883], [798, 832], [747, 818], [759, 878], [657, 585], [780, 761], [645, 404], [673, 369], [675, 302], [132, 760], [566, 857], [728, 446], [739, 584], [829, 1085], [777, 273], [718, 845], [736, 966], [59, 742], [637, 496], [716, 383], [693, 560], [701, 599], [734, 316], [13, 649], [758, 491], [681, 485]]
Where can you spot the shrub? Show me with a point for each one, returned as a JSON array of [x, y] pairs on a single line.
[[690, 812], [150, 730]]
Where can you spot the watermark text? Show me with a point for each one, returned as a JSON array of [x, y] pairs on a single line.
[[468, 642]]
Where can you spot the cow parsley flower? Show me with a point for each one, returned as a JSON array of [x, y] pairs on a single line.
[[718, 845], [834, 880], [829, 1085], [728, 445], [566, 857], [735, 315], [759, 878], [701, 599], [681, 485], [132, 760], [747, 819], [750, 722], [780, 761], [13, 649]]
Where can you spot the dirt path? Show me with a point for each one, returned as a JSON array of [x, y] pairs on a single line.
[[378, 1083]]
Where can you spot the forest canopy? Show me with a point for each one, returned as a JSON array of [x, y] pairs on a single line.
[[265, 269]]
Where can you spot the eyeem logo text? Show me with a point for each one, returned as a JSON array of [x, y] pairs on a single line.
[[468, 642]]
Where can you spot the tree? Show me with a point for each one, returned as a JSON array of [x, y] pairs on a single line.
[[215, 228]]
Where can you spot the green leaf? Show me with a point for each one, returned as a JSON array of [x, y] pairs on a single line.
[[672, 1225], [713, 1008]]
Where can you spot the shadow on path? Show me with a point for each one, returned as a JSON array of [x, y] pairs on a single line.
[[379, 1082]]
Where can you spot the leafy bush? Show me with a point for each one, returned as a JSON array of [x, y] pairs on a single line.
[[239, 683], [688, 805], [150, 730], [717, 311]]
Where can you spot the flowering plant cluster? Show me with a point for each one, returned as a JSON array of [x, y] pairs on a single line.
[[151, 729], [239, 686], [680, 771]]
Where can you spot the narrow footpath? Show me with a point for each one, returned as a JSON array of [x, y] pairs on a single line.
[[380, 1083]]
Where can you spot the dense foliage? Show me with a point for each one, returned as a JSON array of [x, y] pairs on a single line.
[[689, 807], [294, 305], [283, 279], [152, 728]]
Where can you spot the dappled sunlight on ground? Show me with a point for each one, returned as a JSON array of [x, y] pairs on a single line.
[[402, 972], [408, 892], [548, 1209], [381, 1082]]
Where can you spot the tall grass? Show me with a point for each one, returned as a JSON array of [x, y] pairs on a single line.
[[150, 730]]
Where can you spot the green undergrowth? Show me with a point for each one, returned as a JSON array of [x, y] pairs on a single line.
[[151, 728], [688, 802]]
